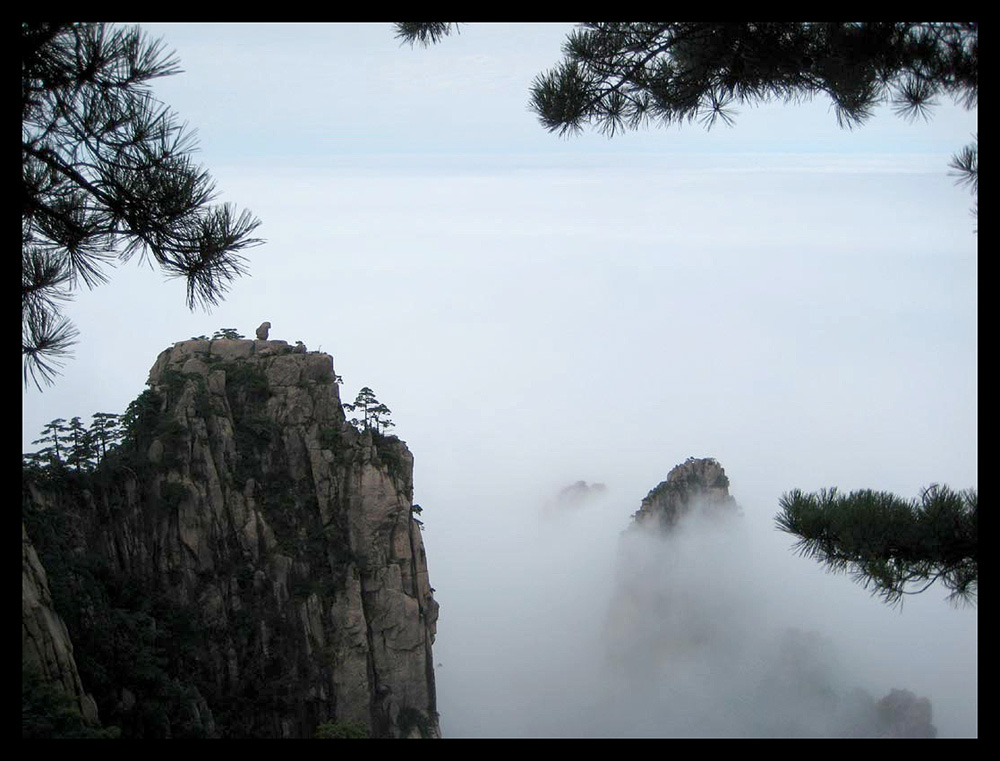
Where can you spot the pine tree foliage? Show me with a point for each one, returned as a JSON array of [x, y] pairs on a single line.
[[374, 414], [75, 446], [106, 174], [54, 435], [424, 32], [965, 168], [82, 450], [889, 545], [618, 76], [623, 75], [105, 430]]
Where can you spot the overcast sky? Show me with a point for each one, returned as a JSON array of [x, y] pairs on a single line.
[[797, 300]]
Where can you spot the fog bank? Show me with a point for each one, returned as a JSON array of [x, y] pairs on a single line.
[[573, 627]]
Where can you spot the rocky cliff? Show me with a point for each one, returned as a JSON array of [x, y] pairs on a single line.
[[696, 485], [264, 550], [46, 648]]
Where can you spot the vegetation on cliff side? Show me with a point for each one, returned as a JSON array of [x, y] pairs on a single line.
[[146, 657]]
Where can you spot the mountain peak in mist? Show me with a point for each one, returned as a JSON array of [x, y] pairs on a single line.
[[577, 492], [700, 641], [697, 484]]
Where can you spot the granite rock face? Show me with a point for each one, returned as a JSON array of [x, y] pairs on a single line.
[[695, 484], [288, 533], [45, 643]]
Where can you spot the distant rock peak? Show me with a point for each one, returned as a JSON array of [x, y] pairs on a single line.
[[696, 484]]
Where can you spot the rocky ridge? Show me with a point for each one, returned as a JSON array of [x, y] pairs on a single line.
[[253, 507]]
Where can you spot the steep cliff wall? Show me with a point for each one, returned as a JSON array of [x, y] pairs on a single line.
[[46, 648], [281, 541]]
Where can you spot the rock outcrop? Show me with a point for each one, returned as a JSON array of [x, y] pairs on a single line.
[[902, 715], [281, 538], [46, 649], [696, 484]]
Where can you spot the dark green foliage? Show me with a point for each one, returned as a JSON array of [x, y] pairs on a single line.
[[253, 434], [246, 384], [330, 438], [82, 454], [965, 166], [48, 713], [107, 173], [410, 718], [889, 544], [73, 446], [374, 414], [172, 494], [389, 450], [257, 431], [173, 435], [618, 76], [624, 74], [229, 333], [342, 730], [203, 400], [424, 32], [55, 434], [105, 431], [140, 418], [127, 635], [173, 383], [125, 640], [123, 439]]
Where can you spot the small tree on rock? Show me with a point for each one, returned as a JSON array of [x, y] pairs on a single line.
[[81, 453], [105, 430], [374, 414], [55, 435]]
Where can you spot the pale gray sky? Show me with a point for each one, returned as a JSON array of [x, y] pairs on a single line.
[[794, 299]]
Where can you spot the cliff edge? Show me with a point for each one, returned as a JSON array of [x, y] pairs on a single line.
[[277, 542]]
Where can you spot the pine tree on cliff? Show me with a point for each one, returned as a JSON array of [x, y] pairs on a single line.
[[374, 414], [105, 430], [380, 418], [106, 172], [82, 450], [55, 434]]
